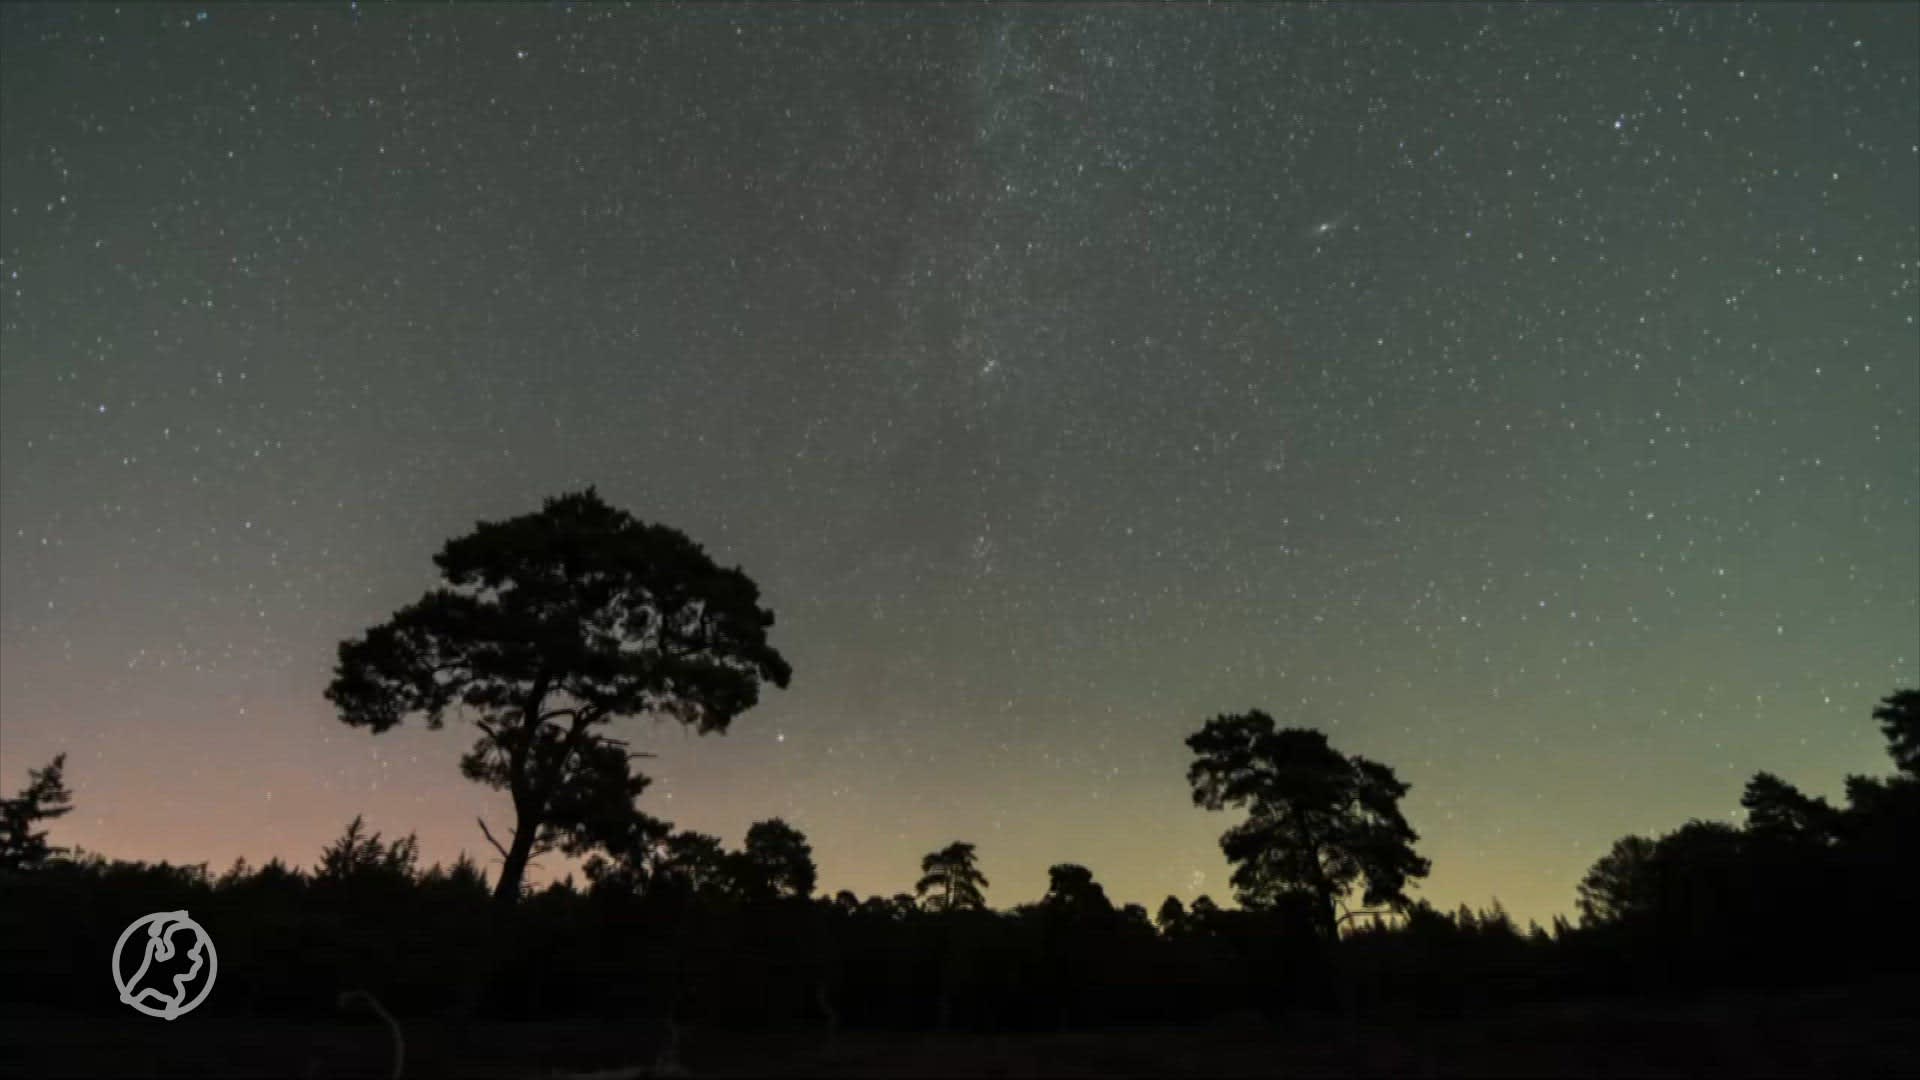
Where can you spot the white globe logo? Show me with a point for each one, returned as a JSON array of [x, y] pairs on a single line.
[[164, 969]]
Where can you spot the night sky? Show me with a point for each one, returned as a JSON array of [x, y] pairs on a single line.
[[1526, 397]]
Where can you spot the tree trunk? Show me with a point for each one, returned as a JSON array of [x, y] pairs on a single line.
[[513, 869], [1340, 980], [528, 802]]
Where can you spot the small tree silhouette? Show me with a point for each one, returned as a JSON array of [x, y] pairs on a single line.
[[776, 862], [464, 877], [359, 856], [45, 797], [950, 881], [693, 864], [1172, 917], [1620, 885], [1319, 823]]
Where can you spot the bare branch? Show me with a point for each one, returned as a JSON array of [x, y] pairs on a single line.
[[1372, 911], [488, 833], [393, 1026]]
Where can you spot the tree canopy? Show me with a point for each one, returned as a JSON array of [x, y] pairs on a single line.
[[1777, 810], [950, 880], [1621, 883], [1171, 918], [1072, 890], [1899, 716], [777, 862], [550, 625], [1319, 823], [650, 858], [359, 855], [22, 847]]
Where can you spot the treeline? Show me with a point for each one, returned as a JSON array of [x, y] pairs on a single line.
[[1803, 890], [1803, 893], [432, 943]]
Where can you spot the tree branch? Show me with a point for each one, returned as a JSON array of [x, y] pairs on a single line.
[[1373, 911], [488, 833], [632, 755]]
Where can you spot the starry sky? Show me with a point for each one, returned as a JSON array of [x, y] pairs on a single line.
[[1526, 397]]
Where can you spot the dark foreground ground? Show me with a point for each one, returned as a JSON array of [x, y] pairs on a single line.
[[1859, 1031]]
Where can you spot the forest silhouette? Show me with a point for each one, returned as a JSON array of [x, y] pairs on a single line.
[[549, 626]]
